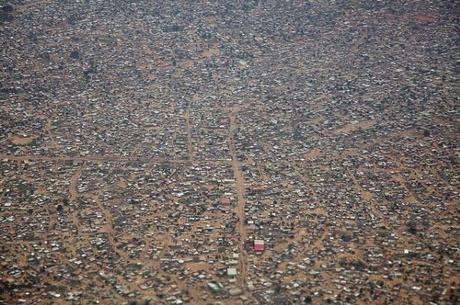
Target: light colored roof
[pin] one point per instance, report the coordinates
(231, 271)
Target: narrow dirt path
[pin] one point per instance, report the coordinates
(241, 202)
(101, 159)
(189, 133)
(48, 128)
(73, 195)
(107, 228)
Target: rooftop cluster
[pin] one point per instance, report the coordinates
(251, 152)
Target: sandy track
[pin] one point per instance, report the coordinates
(241, 202)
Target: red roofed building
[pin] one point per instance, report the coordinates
(259, 245)
(225, 201)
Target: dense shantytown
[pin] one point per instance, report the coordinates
(251, 152)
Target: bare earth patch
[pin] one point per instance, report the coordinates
(22, 140)
(354, 126)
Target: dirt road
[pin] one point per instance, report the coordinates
(241, 202)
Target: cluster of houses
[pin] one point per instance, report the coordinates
(229, 153)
